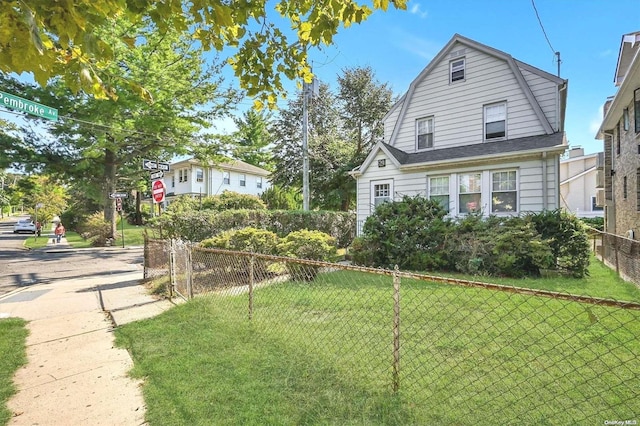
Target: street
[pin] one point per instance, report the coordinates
(20, 267)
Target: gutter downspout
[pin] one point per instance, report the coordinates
(545, 190)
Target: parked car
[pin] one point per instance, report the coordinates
(24, 225)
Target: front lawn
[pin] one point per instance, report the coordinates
(321, 353)
(13, 355)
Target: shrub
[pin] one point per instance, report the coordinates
(95, 229)
(230, 200)
(408, 233)
(247, 239)
(182, 204)
(594, 222)
(277, 198)
(567, 237)
(305, 244)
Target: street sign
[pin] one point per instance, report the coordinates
(156, 175)
(154, 165)
(158, 191)
(118, 204)
(115, 195)
(14, 102)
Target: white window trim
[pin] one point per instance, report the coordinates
(517, 191)
(201, 173)
(484, 121)
(433, 131)
(448, 188)
(373, 184)
(226, 176)
(243, 179)
(259, 182)
(464, 70)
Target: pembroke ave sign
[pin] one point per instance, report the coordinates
(20, 104)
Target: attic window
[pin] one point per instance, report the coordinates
(457, 70)
(382, 163)
(495, 121)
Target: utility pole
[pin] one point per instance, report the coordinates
(308, 91)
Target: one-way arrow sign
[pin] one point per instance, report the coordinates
(115, 195)
(154, 165)
(156, 175)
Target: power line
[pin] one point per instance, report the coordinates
(533, 3)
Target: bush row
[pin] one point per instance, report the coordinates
(199, 225)
(416, 234)
(302, 244)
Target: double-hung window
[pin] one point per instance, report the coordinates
(258, 182)
(469, 192)
(439, 190)
(424, 131)
(226, 179)
(504, 192)
(456, 68)
(495, 121)
(243, 180)
(381, 192)
(199, 175)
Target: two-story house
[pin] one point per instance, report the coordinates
(191, 177)
(620, 131)
(477, 130)
(579, 182)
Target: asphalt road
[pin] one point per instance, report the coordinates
(21, 268)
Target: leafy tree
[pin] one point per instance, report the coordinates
(250, 143)
(44, 191)
(63, 39)
(102, 146)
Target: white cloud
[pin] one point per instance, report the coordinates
(417, 10)
(421, 47)
(595, 122)
(606, 53)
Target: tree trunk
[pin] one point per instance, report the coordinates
(110, 176)
(138, 217)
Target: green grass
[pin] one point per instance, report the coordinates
(133, 236)
(601, 282)
(320, 353)
(13, 355)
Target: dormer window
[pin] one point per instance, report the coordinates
(495, 121)
(424, 132)
(456, 69)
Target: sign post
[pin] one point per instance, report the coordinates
(20, 104)
(157, 190)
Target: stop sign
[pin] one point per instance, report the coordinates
(158, 191)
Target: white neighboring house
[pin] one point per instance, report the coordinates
(477, 130)
(578, 183)
(191, 177)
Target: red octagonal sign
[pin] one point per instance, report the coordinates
(158, 191)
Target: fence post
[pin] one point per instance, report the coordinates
(615, 252)
(172, 269)
(189, 271)
(396, 330)
(251, 264)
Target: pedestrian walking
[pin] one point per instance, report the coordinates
(59, 231)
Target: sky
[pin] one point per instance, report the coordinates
(398, 45)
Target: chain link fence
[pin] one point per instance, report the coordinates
(448, 350)
(619, 253)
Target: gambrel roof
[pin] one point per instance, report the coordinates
(515, 67)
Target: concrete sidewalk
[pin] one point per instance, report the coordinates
(74, 374)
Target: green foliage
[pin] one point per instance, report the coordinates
(305, 244)
(230, 200)
(409, 233)
(246, 239)
(182, 204)
(567, 238)
(200, 225)
(278, 198)
(63, 39)
(415, 235)
(594, 222)
(95, 229)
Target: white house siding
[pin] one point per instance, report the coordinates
(390, 121)
(458, 108)
(529, 175)
(546, 93)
